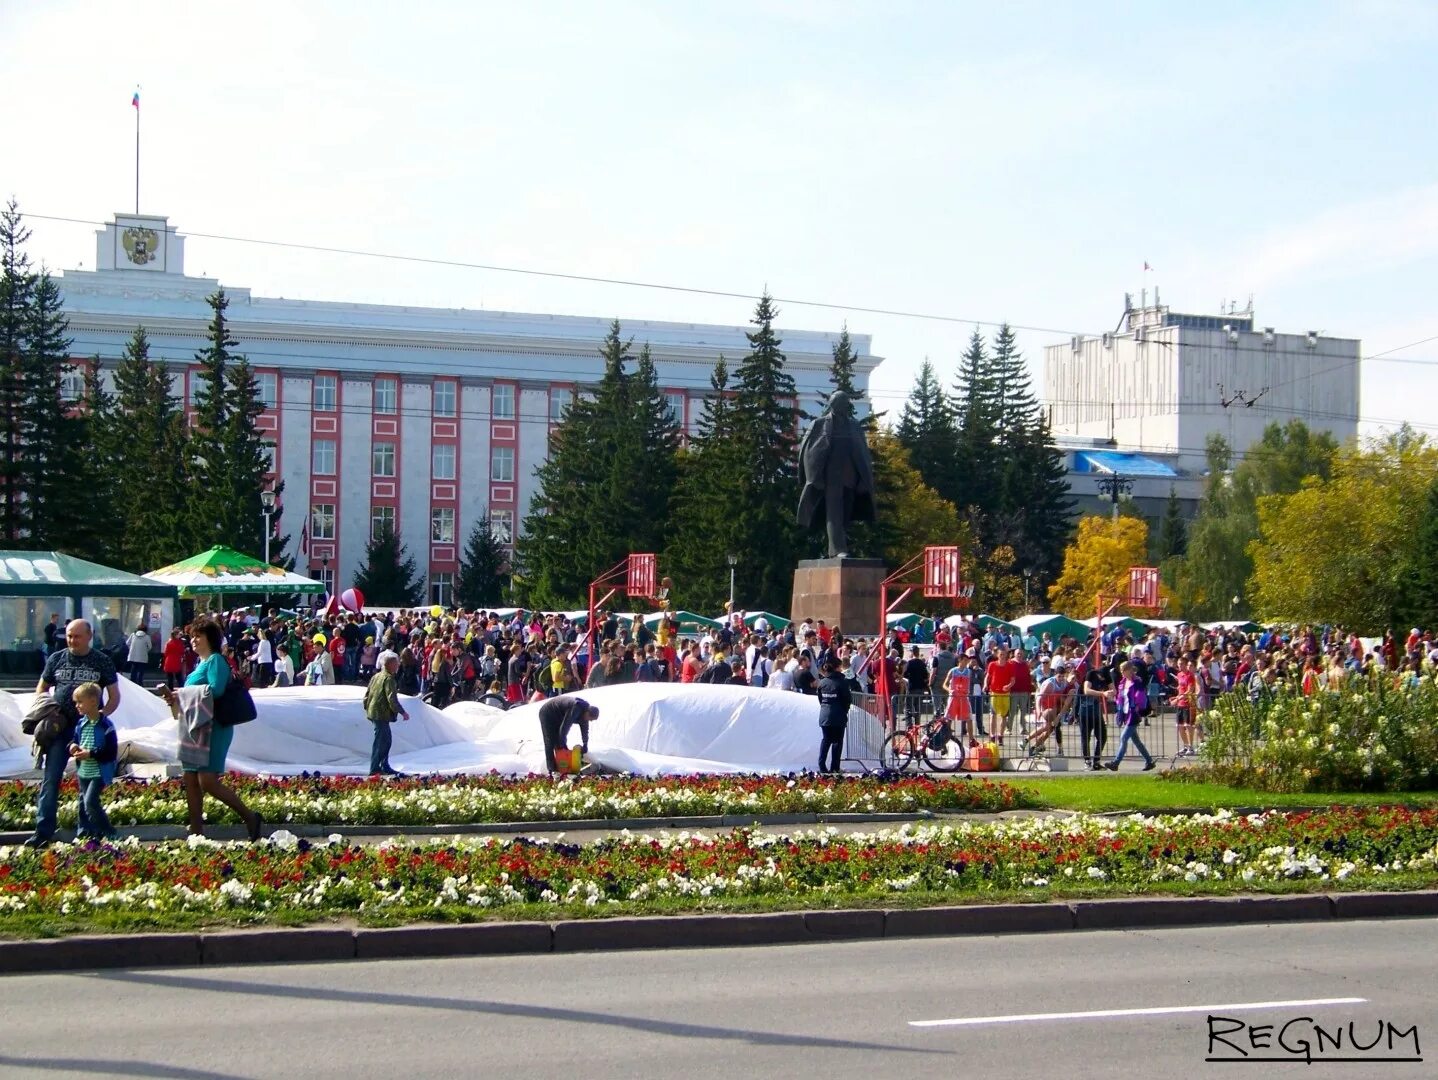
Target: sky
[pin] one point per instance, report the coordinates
(976, 162)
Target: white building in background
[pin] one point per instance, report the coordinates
(423, 418)
(1141, 402)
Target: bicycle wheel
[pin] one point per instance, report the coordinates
(947, 755)
(897, 753)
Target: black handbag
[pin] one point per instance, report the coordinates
(235, 706)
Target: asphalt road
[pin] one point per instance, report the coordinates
(837, 1010)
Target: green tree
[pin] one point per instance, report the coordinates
(764, 421)
(1338, 549)
(604, 490)
(98, 436)
(841, 369)
(17, 297)
(148, 463)
(926, 430)
(1216, 565)
(909, 514)
(1097, 562)
(389, 576)
(1173, 533)
(483, 568)
(1418, 593)
(703, 527)
(972, 481)
(55, 491)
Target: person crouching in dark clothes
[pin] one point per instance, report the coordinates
(834, 701)
(557, 716)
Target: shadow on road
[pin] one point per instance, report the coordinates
(111, 1067)
(500, 1008)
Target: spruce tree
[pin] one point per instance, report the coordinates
(764, 419)
(148, 463)
(841, 369)
(1173, 533)
(209, 477)
(247, 466)
(55, 492)
(926, 431)
(97, 437)
(604, 490)
(389, 576)
(973, 482)
(17, 295)
(483, 568)
(703, 525)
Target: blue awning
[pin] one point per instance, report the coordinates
(1114, 462)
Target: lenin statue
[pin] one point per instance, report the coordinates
(836, 472)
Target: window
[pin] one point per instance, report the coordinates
(441, 525)
(444, 399)
(323, 462)
(382, 459)
(326, 577)
(325, 393)
(559, 400)
(72, 384)
(441, 588)
(501, 464)
(443, 463)
(501, 525)
(386, 396)
(192, 388)
(322, 521)
(503, 407)
(381, 521)
(675, 401)
(269, 451)
(269, 388)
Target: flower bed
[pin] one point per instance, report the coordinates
(1370, 735)
(320, 800)
(288, 879)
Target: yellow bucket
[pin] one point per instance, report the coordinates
(569, 758)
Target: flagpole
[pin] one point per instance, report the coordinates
(137, 152)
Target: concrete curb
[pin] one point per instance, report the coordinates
(93, 951)
(485, 828)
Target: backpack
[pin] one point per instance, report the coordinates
(544, 680)
(1138, 702)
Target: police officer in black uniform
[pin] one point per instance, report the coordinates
(834, 701)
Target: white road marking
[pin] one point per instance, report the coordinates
(1165, 1010)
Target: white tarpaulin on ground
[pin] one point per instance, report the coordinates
(651, 728)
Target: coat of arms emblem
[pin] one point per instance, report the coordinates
(140, 245)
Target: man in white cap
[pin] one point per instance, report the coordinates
(381, 706)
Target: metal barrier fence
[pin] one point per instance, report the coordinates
(1083, 733)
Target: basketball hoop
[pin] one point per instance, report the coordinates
(964, 595)
(639, 581)
(941, 572)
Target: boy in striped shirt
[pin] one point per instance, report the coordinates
(94, 752)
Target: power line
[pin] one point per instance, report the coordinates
(960, 320)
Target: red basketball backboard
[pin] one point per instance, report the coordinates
(640, 579)
(1143, 588)
(941, 572)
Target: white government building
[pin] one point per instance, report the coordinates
(1139, 404)
(425, 418)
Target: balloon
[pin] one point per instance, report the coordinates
(319, 639)
(352, 600)
(436, 611)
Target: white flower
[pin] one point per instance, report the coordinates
(284, 839)
(1096, 873)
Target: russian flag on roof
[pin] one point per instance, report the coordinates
(135, 101)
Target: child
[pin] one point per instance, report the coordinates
(1130, 698)
(367, 659)
(94, 752)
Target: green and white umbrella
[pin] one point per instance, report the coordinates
(225, 570)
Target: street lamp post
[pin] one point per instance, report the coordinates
(1028, 573)
(1112, 487)
(267, 510)
(733, 562)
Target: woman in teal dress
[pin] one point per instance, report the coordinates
(202, 780)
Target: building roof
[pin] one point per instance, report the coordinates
(1119, 463)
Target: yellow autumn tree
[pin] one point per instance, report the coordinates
(1097, 561)
(911, 515)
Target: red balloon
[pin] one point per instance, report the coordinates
(352, 600)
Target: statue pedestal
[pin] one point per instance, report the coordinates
(843, 592)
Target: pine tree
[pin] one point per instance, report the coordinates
(702, 524)
(764, 421)
(247, 465)
(148, 463)
(389, 576)
(1173, 533)
(97, 438)
(926, 431)
(209, 480)
(483, 568)
(841, 369)
(55, 491)
(972, 484)
(17, 295)
(604, 490)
